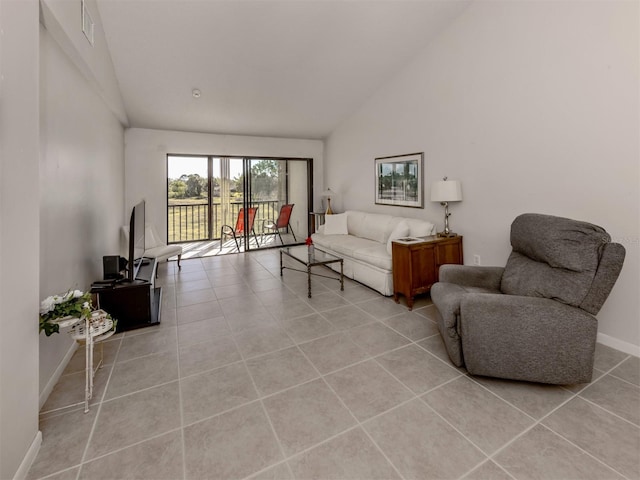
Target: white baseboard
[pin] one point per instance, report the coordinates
(29, 458)
(44, 394)
(625, 347)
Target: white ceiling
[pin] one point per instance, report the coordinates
(294, 68)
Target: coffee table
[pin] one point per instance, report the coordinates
(310, 256)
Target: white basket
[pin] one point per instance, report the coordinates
(67, 321)
(99, 324)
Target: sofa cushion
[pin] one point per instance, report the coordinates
(420, 228)
(345, 244)
(400, 230)
(375, 254)
(163, 252)
(321, 240)
(336, 224)
(372, 226)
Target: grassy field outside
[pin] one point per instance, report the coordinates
(188, 218)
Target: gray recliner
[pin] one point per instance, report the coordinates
(533, 319)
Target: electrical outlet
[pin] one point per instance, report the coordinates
(476, 260)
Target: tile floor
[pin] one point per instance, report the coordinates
(248, 378)
(200, 249)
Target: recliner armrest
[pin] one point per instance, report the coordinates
(472, 276)
(527, 338)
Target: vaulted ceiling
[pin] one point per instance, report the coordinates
(293, 68)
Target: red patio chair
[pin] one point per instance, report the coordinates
(238, 231)
(281, 222)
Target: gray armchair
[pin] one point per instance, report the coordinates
(533, 319)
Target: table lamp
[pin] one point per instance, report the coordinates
(327, 193)
(446, 191)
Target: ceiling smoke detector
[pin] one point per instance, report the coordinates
(196, 93)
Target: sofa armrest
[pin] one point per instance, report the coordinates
(527, 338)
(472, 276)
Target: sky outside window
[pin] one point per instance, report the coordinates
(179, 165)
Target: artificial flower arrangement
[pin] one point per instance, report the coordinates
(74, 303)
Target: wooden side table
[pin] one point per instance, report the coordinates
(317, 219)
(416, 263)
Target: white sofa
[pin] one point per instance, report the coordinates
(363, 240)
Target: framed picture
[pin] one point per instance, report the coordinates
(399, 180)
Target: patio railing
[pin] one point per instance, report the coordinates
(189, 222)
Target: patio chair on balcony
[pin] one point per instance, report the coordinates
(238, 231)
(282, 222)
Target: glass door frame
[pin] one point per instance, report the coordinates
(209, 203)
(247, 192)
(248, 188)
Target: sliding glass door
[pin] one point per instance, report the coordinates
(274, 184)
(188, 199)
(207, 193)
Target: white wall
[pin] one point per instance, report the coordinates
(534, 107)
(61, 203)
(81, 187)
(19, 204)
(146, 161)
(81, 164)
(63, 19)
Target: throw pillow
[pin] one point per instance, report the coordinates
(335, 224)
(421, 229)
(401, 230)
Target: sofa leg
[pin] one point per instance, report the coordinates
(179, 257)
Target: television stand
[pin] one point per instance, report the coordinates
(135, 304)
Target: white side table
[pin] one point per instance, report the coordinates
(94, 329)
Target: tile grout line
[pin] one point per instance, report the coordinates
(180, 396)
(99, 409)
(591, 402)
(264, 409)
(358, 423)
(322, 377)
(370, 357)
(241, 270)
(602, 462)
(489, 458)
(420, 397)
(263, 396)
(539, 421)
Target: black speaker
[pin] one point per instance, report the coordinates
(111, 267)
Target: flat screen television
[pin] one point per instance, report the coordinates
(136, 241)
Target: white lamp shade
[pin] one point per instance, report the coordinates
(446, 191)
(328, 193)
